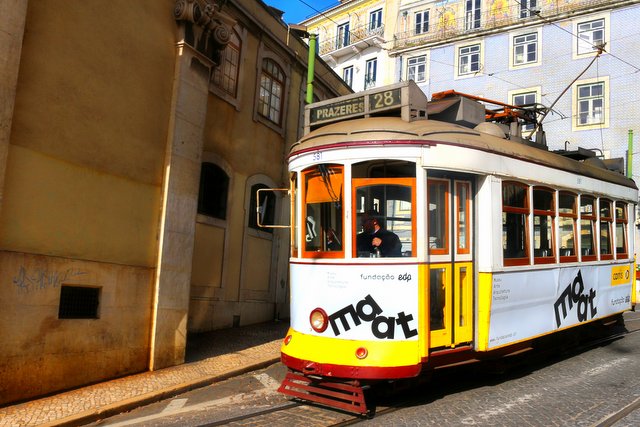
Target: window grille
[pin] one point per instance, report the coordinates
(78, 302)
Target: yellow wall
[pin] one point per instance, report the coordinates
(59, 208)
(82, 193)
(91, 117)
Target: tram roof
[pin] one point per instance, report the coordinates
(394, 131)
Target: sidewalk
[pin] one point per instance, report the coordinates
(211, 357)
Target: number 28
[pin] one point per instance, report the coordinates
(383, 99)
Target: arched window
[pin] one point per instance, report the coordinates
(266, 209)
(271, 92)
(225, 76)
(214, 187)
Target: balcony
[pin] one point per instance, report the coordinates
(445, 26)
(354, 41)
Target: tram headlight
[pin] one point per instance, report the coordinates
(319, 320)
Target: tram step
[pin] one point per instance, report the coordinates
(348, 396)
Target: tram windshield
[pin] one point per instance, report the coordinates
(382, 208)
(383, 218)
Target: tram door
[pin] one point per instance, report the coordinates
(450, 288)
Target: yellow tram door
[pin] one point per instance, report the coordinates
(450, 268)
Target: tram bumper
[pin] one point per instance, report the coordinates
(351, 359)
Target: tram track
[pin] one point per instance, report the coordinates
(299, 410)
(245, 417)
(612, 419)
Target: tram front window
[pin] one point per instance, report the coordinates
(383, 215)
(322, 211)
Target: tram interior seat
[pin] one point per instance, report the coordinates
(541, 252)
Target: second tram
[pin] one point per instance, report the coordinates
(498, 241)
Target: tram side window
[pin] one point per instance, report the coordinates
(438, 200)
(606, 225)
(568, 215)
(463, 191)
(515, 210)
(322, 211)
(543, 225)
(621, 231)
(588, 218)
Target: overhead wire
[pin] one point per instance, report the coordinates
(493, 74)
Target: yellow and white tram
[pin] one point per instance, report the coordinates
(502, 241)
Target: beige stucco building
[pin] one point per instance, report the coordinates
(354, 37)
(133, 138)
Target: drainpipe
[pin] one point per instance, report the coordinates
(310, 67)
(630, 155)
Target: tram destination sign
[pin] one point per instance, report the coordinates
(356, 105)
(338, 110)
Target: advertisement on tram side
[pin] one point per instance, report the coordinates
(532, 303)
(370, 302)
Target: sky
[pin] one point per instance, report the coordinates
(296, 11)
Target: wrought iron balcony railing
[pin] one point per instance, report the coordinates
(447, 26)
(359, 37)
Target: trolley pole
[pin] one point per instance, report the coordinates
(630, 155)
(310, 67)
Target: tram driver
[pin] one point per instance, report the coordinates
(375, 239)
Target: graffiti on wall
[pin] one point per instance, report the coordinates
(39, 279)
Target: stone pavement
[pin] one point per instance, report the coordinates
(211, 357)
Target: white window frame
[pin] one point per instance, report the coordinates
(513, 38)
(370, 63)
(527, 7)
(583, 38)
(375, 19)
(423, 26)
(458, 54)
(576, 99)
(347, 75)
(285, 67)
(472, 15)
(343, 35)
(536, 91)
(414, 66)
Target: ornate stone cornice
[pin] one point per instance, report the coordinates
(207, 28)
